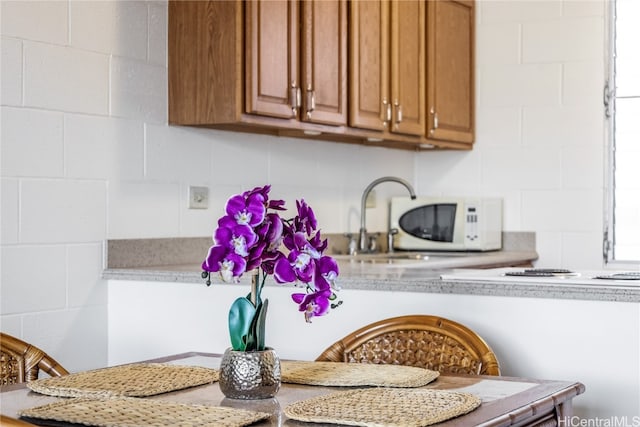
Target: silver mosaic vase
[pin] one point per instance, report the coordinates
(250, 374)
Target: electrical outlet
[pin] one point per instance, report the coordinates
(198, 197)
(371, 199)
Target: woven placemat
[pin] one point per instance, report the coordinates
(355, 374)
(384, 407)
(128, 411)
(137, 380)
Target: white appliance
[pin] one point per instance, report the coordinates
(446, 223)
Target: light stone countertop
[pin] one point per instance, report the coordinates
(361, 275)
(448, 274)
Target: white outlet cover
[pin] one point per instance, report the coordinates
(198, 197)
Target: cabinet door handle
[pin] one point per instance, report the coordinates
(398, 107)
(311, 101)
(386, 112)
(295, 98)
(435, 120)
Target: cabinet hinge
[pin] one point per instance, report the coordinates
(607, 97)
(606, 245)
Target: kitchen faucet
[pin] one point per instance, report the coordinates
(362, 244)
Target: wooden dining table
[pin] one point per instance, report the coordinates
(506, 401)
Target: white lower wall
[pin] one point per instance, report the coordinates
(596, 343)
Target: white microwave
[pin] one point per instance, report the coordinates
(446, 223)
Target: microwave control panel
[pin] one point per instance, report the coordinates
(471, 223)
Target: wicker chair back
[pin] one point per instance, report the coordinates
(427, 341)
(21, 362)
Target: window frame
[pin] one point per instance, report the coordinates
(609, 100)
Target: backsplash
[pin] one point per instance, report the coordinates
(127, 253)
(131, 253)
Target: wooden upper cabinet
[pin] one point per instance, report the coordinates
(324, 62)
(297, 70)
(408, 50)
(451, 77)
(204, 43)
(388, 77)
(271, 55)
(394, 73)
(369, 84)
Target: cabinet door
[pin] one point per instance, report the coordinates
(324, 61)
(271, 42)
(205, 48)
(408, 65)
(451, 62)
(369, 64)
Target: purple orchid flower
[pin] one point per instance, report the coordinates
(248, 210)
(277, 205)
(306, 219)
(250, 236)
(313, 304)
(271, 231)
(254, 258)
(239, 238)
(229, 264)
(326, 273)
(300, 264)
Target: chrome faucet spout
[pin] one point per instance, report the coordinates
(362, 243)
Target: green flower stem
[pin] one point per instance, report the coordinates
(257, 285)
(256, 289)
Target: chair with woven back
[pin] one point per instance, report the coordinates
(426, 341)
(21, 362)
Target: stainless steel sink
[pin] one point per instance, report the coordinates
(379, 256)
(394, 257)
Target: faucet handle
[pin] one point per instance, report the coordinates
(392, 232)
(373, 242)
(353, 243)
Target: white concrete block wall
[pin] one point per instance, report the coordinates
(46, 21)
(65, 79)
(540, 126)
(11, 71)
(118, 28)
(32, 143)
(87, 155)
